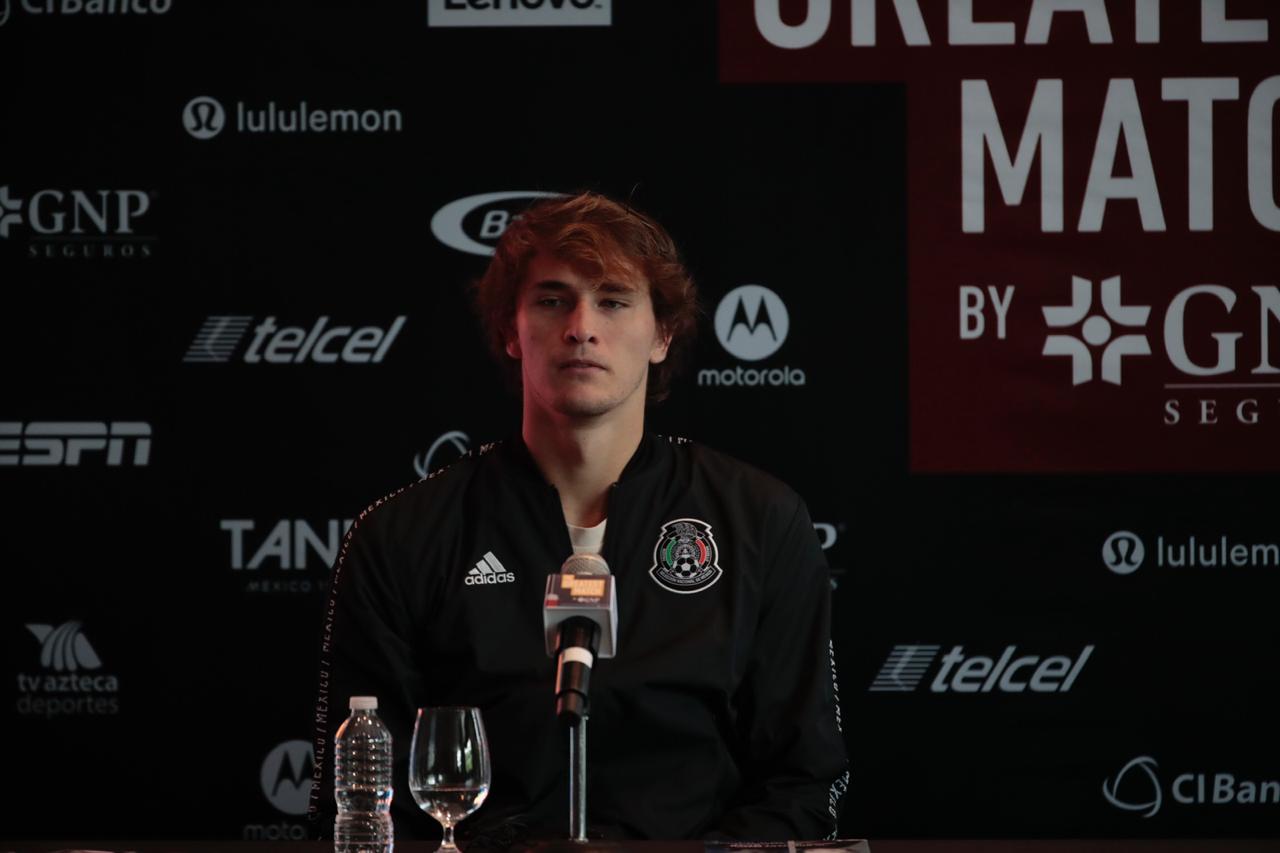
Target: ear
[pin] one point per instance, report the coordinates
(513, 346)
(661, 343)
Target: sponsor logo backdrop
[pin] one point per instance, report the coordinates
(994, 286)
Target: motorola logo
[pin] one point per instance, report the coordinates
(64, 649)
(286, 776)
(474, 224)
(203, 117)
(752, 322)
(1143, 792)
(442, 453)
(1123, 552)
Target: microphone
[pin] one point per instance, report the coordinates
(580, 619)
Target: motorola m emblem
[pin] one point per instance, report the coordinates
(204, 117)
(752, 322)
(1123, 552)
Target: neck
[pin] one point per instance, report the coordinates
(582, 457)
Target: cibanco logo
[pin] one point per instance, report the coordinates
(443, 452)
(1123, 552)
(203, 117)
(286, 776)
(1147, 767)
(752, 322)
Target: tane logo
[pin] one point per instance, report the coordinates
(442, 453)
(474, 224)
(487, 571)
(64, 649)
(1144, 787)
(286, 776)
(221, 335)
(1096, 330)
(1123, 552)
(204, 117)
(905, 668)
(752, 322)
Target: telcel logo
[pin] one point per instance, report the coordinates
(221, 335)
(906, 666)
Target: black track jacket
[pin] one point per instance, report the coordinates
(717, 718)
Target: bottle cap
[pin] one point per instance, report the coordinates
(364, 703)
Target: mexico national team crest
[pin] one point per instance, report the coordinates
(685, 559)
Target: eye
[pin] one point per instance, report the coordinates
(548, 301)
(613, 304)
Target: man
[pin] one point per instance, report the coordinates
(718, 716)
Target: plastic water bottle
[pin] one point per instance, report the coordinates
(362, 781)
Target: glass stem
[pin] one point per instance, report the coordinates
(448, 844)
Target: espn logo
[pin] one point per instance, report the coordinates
(65, 442)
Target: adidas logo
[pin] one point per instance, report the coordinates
(488, 570)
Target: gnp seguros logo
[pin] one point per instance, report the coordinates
(519, 13)
(1136, 788)
(1124, 553)
(474, 224)
(752, 323)
(71, 683)
(101, 223)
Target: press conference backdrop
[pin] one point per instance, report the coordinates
(993, 285)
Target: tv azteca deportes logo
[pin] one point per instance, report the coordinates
(1136, 787)
(1098, 333)
(71, 682)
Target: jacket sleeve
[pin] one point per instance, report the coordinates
(366, 650)
(794, 766)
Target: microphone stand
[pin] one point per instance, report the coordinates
(578, 780)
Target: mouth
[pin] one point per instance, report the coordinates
(581, 364)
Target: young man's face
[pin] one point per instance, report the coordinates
(584, 345)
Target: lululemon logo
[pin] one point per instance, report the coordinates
(204, 118)
(1123, 552)
(752, 322)
(1111, 788)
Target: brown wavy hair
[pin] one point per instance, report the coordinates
(598, 237)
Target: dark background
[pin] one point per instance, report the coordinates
(799, 187)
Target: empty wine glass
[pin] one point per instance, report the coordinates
(449, 770)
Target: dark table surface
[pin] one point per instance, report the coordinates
(888, 846)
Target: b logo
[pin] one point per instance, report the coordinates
(1123, 552)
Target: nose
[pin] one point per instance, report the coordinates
(580, 327)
